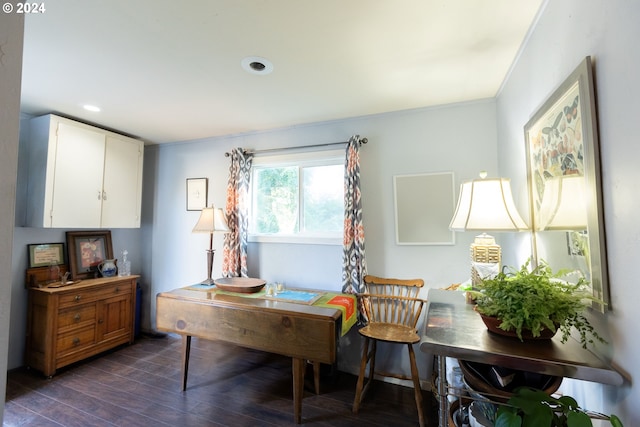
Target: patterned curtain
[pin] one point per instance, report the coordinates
(234, 256)
(354, 266)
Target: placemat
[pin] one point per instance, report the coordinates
(297, 296)
(346, 303)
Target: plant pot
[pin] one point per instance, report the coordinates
(493, 325)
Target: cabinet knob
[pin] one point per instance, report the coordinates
(104, 195)
(77, 317)
(100, 321)
(99, 195)
(77, 298)
(117, 289)
(76, 341)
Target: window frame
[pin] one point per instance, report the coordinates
(301, 160)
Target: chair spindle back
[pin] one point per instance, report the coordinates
(392, 300)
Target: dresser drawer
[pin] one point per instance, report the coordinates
(81, 296)
(75, 340)
(76, 317)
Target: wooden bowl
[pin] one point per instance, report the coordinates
(243, 285)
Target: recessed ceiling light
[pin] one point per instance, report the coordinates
(91, 108)
(257, 65)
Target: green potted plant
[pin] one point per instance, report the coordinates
(532, 407)
(535, 304)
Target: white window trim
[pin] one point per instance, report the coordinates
(304, 159)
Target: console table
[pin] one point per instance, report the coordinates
(300, 331)
(453, 329)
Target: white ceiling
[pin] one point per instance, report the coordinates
(170, 70)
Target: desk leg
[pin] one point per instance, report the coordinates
(442, 392)
(316, 376)
(299, 366)
(186, 349)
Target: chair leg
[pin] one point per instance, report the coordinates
(372, 361)
(360, 384)
(416, 384)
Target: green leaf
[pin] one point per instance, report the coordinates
(615, 421)
(568, 401)
(538, 419)
(578, 419)
(508, 419)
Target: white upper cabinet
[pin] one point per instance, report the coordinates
(82, 177)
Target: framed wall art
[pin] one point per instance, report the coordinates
(197, 190)
(564, 180)
(424, 205)
(46, 254)
(87, 250)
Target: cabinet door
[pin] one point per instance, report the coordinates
(122, 183)
(115, 319)
(77, 188)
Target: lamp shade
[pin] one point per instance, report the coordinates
(486, 204)
(563, 204)
(211, 219)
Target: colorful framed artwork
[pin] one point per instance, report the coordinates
(46, 254)
(197, 190)
(564, 180)
(87, 250)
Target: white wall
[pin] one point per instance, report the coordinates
(608, 31)
(459, 138)
(11, 34)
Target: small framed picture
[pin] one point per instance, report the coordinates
(197, 193)
(87, 250)
(46, 254)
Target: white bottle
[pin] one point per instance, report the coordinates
(125, 266)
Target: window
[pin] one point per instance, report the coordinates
(297, 198)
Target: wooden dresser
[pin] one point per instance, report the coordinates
(71, 323)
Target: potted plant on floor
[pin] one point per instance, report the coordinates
(532, 407)
(535, 304)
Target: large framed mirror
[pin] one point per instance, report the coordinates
(563, 170)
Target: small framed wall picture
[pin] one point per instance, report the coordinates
(46, 254)
(197, 190)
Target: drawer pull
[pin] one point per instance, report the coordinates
(117, 289)
(77, 317)
(76, 341)
(77, 298)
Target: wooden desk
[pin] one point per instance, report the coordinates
(453, 329)
(302, 332)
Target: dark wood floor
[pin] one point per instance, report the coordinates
(138, 385)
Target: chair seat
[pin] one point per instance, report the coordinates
(390, 332)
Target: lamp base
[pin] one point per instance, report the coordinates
(484, 250)
(209, 280)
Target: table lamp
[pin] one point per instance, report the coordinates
(487, 205)
(211, 220)
(563, 205)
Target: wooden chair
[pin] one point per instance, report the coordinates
(392, 308)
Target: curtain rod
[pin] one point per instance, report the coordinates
(361, 141)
